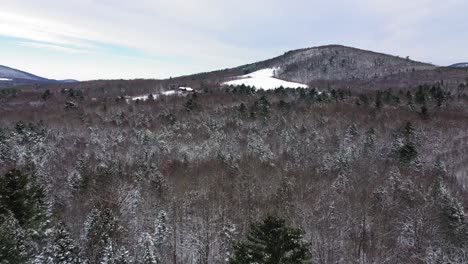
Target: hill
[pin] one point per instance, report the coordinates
(13, 77)
(460, 65)
(332, 62)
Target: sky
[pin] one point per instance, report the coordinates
(121, 39)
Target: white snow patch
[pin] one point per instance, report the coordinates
(5, 80)
(264, 79)
(186, 89)
(143, 97)
(182, 91)
(170, 92)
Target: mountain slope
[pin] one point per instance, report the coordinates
(343, 63)
(10, 73)
(459, 65)
(12, 77)
(332, 62)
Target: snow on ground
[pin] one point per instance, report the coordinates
(264, 79)
(170, 92)
(143, 97)
(179, 91)
(186, 89)
(5, 80)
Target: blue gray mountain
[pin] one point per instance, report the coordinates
(13, 77)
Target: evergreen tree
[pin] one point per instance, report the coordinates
(108, 254)
(369, 141)
(378, 100)
(100, 227)
(406, 151)
(363, 99)
(424, 112)
(271, 242)
(261, 106)
(23, 198)
(122, 256)
(242, 109)
(46, 95)
(149, 256)
(15, 245)
(191, 104)
(162, 229)
(452, 219)
(420, 95)
(61, 249)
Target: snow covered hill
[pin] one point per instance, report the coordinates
(264, 79)
(10, 73)
(12, 77)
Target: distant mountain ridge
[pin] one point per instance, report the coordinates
(13, 77)
(460, 65)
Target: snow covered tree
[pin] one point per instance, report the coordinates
(405, 145)
(271, 242)
(149, 255)
(122, 256)
(452, 219)
(108, 254)
(100, 226)
(15, 245)
(23, 198)
(226, 236)
(162, 229)
(61, 249)
(261, 107)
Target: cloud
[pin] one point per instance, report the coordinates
(211, 34)
(53, 47)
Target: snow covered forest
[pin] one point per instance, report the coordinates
(368, 176)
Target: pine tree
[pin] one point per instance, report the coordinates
(378, 100)
(420, 96)
(406, 151)
(46, 95)
(100, 226)
(122, 256)
(242, 109)
(15, 245)
(271, 242)
(369, 141)
(162, 229)
(261, 107)
(108, 254)
(23, 198)
(424, 112)
(61, 248)
(149, 256)
(452, 218)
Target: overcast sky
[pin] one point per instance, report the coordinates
(113, 39)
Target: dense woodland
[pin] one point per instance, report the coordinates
(362, 175)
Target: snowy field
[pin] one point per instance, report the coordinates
(264, 79)
(5, 80)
